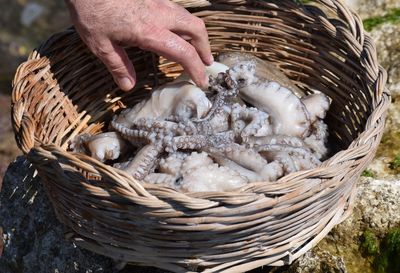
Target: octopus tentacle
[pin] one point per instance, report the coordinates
(219, 158)
(165, 179)
(225, 88)
(317, 106)
(144, 161)
(318, 139)
(289, 115)
(303, 151)
(263, 70)
(187, 143)
(154, 124)
(293, 158)
(256, 120)
(135, 136)
(292, 120)
(288, 162)
(221, 139)
(251, 160)
(198, 142)
(275, 139)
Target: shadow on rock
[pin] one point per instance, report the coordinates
(33, 238)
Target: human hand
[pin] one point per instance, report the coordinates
(160, 26)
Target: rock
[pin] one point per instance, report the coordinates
(376, 212)
(324, 262)
(33, 239)
(377, 209)
(387, 40)
(370, 8)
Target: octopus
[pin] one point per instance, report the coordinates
(252, 124)
(105, 146)
(195, 173)
(211, 133)
(181, 100)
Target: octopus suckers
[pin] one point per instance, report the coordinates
(252, 124)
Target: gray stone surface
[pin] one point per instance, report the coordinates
(323, 262)
(33, 239)
(376, 210)
(387, 41)
(370, 8)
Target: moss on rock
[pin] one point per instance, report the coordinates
(388, 259)
(369, 243)
(395, 164)
(393, 16)
(384, 254)
(368, 173)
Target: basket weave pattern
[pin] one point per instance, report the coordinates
(62, 90)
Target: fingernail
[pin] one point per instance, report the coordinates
(209, 60)
(125, 83)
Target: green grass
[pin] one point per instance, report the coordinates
(369, 243)
(388, 261)
(384, 254)
(393, 16)
(368, 173)
(395, 164)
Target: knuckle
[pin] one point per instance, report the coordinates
(189, 52)
(195, 23)
(199, 24)
(148, 36)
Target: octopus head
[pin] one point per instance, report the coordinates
(244, 73)
(192, 102)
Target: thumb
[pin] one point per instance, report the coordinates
(118, 64)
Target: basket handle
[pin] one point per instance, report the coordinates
(24, 125)
(25, 133)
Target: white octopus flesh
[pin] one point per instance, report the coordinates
(253, 124)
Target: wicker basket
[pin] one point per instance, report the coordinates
(63, 90)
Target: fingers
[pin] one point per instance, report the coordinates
(173, 47)
(118, 64)
(185, 24)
